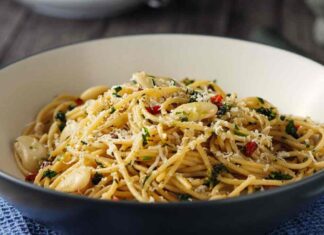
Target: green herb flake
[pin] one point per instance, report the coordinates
(188, 81)
(215, 81)
(184, 119)
(60, 116)
(116, 95)
(112, 110)
(267, 112)
(260, 100)
(276, 175)
(211, 181)
(282, 117)
(153, 82)
(145, 135)
(146, 158)
(49, 174)
(238, 133)
(194, 96)
(117, 89)
(96, 178)
(223, 109)
(83, 142)
(291, 129)
(62, 126)
(183, 197)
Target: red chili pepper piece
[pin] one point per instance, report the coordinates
(30, 177)
(217, 99)
(79, 101)
(250, 147)
(298, 126)
(156, 109)
(114, 198)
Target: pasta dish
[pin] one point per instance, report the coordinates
(155, 139)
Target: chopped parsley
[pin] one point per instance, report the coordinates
(282, 117)
(212, 179)
(222, 109)
(62, 125)
(96, 178)
(117, 89)
(116, 95)
(49, 174)
(260, 100)
(183, 197)
(291, 129)
(194, 96)
(188, 81)
(237, 132)
(60, 116)
(147, 158)
(112, 110)
(83, 142)
(145, 135)
(184, 119)
(276, 175)
(215, 81)
(267, 112)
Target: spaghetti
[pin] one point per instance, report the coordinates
(157, 140)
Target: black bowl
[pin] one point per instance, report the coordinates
(251, 214)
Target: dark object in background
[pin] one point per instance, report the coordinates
(87, 9)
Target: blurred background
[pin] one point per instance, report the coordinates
(294, 25)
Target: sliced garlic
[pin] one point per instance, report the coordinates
(147, 81)
(93, 92)
(143, 80)
(30, 152)
(75, 181)
(196, 111)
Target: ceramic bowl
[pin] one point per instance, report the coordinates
(293, 83)
(81, 9)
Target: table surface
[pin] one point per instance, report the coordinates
(23, 33)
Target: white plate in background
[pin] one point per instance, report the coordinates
(81, 9)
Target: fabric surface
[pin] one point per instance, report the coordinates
(308, 222)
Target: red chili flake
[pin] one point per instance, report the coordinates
(298, 126)
(79, 101)
(250, 147)
(217, 99)
(156, 109)
(30, 177)
(114, 198)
